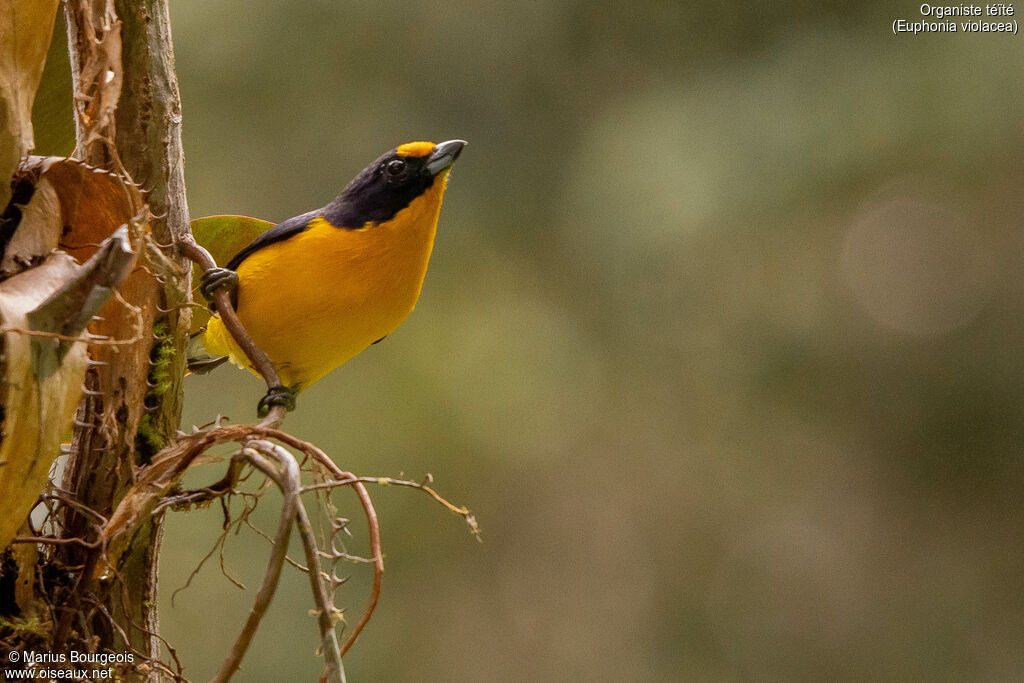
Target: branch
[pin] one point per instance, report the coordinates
(352, 480)
(128, 121)
(334, 671)
(154, 482)
(156, 479)
(287, 478)
(94, 35)
(373, 527)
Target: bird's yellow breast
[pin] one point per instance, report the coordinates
(318, 298)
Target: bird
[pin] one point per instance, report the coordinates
(317, 289)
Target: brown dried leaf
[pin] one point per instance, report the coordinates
(44, 310)
(37, 232)
(37, 413)
(156, 480)
(67, 192)
(58, 294)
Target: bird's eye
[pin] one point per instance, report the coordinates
(395, 167)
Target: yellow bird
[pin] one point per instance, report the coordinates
(317, 289)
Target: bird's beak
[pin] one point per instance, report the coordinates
(444, 155)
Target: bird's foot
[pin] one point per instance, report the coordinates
(218, 278)
(276, 396)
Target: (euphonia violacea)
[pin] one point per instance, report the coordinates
(319, 288)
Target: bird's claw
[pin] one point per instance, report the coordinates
(218, 278)
(276, 396)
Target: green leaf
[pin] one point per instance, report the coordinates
(223, 237)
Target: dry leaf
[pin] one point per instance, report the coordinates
(42, 312)
(37, 413)
(56, 292)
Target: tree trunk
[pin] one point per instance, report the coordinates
(135, 391)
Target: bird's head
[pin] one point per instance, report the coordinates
(391, 182)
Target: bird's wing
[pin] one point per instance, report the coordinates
(278, 233)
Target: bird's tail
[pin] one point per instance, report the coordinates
(198, 360)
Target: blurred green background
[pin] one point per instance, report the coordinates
(721, 339)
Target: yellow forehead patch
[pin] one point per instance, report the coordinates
(415, 149)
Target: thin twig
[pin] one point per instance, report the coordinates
(69, 338)
(288, 480)
(152, 659)
(333, 669)
(373, 526)
(67, 498)
(378, 565)
(259, 532)
(169, 465)
(217, 489)
(195, 571)
(389, 481)
(56, 541)
(141, 655)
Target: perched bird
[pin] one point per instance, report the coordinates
(317, 289)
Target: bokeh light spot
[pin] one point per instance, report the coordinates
(916, 266)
